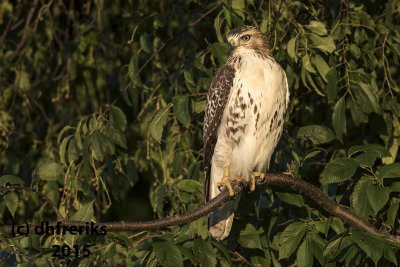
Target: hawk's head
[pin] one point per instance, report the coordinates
(247, 38)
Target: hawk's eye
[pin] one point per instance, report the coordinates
(246, 38)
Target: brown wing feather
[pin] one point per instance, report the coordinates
(216, 101)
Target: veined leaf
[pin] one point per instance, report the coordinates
(332, 85)
(291, 48)
(304, 257)
(158, 122)
(325, 44)
(316, 133)
(198, 106)
(50, 171)
(317, 27)
(378, 197)
(321, 65)
(11, 179)
(389, 171)
(85, 213)
(370, 244)
(11, 199)
(168, 254)
(339, 170)
(373, 98)
(307, 64)
(97, 145)
(117, 116)
(359, 198)
(369, 153)
(290, 239)
(204, 253)
(249, 237)
(181, 109)
(339, 118)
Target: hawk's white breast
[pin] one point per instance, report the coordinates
(253, 119)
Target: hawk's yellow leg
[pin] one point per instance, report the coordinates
(227, 181)
(253, 176)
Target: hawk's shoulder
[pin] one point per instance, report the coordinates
(217, 98)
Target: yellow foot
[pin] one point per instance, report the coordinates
(253, 176)
(228, 181)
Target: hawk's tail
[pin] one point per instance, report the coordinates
(220, 221)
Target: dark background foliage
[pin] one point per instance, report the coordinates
(101, 109)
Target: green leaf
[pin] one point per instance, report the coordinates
(181, 109)
(359, 198)
(187, 73)
(109, 251)
(369, 153)
(355, 51)
(50, 189)
(204, 253)
(217, 27)
(392, 214)
(97, 145)
(50, 171)
(332, 85)
(159, 121)
(191, 186)
(369, 244)
(11, 179)
(321, 65)
(238, 4)
(357, 113)
(187, 253)
(395, 187)
(317, 244)
(249, 237)
(168, 254)
(325, 44)
(304, 257)
(378, 197)
(11, 199)
(389, 171)
(339, 118)
(146, 43)
(307, 64)
(291, 198)
(198, 106)
(61, 133)
(291, 48)
(372, 97)
(317, 27)
(220, 51)
(290, 239)
(115, 135)
(117, 116)
(333, 248)
(73, 150)
(223, 249)
(339, 170)
(63, 148)
(85, 213)
(316, 133)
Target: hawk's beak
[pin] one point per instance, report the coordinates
(232, 42)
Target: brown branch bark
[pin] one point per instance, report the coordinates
(288, 181)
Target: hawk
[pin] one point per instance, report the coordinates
(243, 122)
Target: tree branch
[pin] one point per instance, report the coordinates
(288, 181)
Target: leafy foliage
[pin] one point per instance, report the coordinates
(104, 100)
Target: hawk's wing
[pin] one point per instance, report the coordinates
(216, 101)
